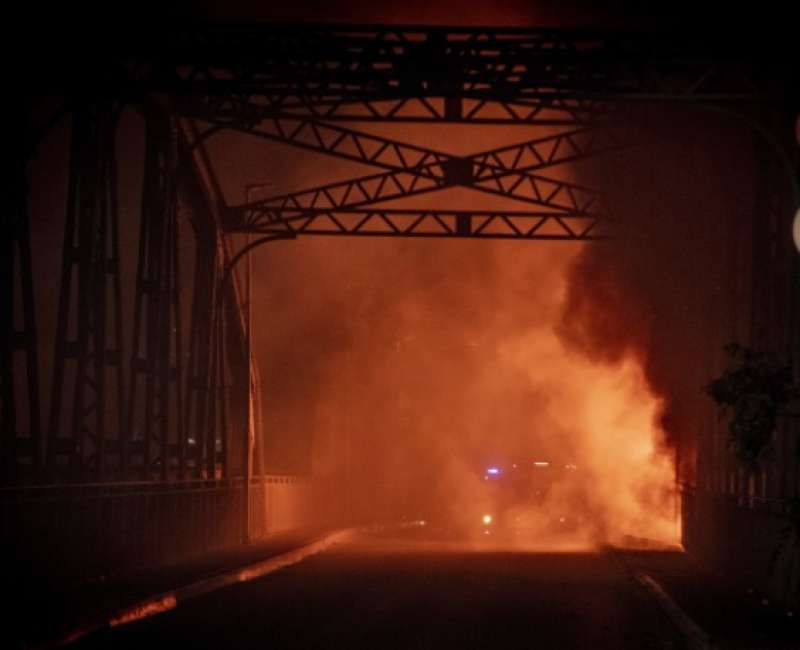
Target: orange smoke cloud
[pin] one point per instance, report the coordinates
(623, 481)
(598, 420)
(403, 367)
(439, 379)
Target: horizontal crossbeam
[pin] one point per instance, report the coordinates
(541, 191)
(372, 63)
(349, 144)
(236, 110)
(429, 223)
(505, 171)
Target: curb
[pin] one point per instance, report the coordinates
(169, 600)
(696, 637)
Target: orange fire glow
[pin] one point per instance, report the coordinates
(416, 363)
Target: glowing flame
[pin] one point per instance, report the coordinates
(608, 418)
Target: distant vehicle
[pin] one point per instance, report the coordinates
(521, 506)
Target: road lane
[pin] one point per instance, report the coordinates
(382, 591)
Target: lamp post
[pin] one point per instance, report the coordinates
(250, 189)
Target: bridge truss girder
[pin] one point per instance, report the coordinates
(87, 413)
(383, 222)
(294, 85)
(374, 63)
(236, 111)
(505, 171)
(393, 155)
(20, 435)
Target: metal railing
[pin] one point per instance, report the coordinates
(76, 531)
(742, 536)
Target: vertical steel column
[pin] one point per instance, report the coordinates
(221, 388)
(207, 390)
(247, 447)
(89, 326)
(199, 391)
(199, 406)
(156, 421)
(18, 338)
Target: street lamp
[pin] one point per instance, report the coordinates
(227, 271)
(250, 189)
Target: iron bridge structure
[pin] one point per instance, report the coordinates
(166, 397)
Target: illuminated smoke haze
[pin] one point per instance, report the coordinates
(408, 366)
(395, 371)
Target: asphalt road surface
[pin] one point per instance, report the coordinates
(416, 591)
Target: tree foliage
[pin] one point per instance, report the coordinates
(755, 391)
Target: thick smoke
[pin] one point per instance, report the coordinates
(667, 292)
(396, 371)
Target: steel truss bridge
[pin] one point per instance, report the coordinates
(135, 406)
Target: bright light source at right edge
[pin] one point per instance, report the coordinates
(796, 230)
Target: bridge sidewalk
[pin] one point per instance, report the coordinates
(712, 610)
(46, 614)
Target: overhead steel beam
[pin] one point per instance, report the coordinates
(320, 64)
(504, 171)
(543, 192)
(349, 144)
(235, 110)
(487, 224)
(341, 62)
(281, 82)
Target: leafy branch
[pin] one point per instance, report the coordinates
(755, 391)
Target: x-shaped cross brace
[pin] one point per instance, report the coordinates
(412, 170)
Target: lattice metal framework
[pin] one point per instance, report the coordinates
(269, 67)
(87, 408)
(306, 86)
(156, 390)
(507, 172)
(20, 432)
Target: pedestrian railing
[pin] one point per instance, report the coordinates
(72, 531)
